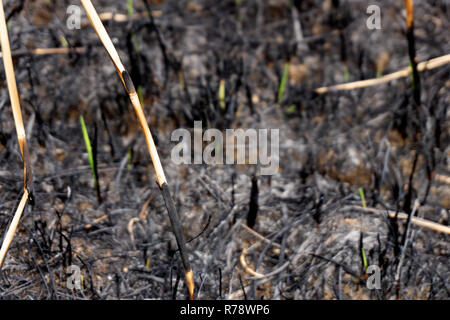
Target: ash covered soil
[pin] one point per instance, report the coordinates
(311, 235)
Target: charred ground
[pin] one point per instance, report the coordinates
(331, 145)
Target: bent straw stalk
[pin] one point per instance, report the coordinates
(161, 179)
(20, 129)
(13, 227)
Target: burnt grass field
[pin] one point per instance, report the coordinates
(311, 233)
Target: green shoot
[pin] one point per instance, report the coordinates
(283, 82)
(363, 198)
(346, 74)
(181, 79)
(363, 252)
(129, 157)
(222, 93)
(64, 42)
(364, 259)
(92, 163)
(239, 14)
(140, 94)
(291, 109)
(130, 8)
(130, 12)
(87, 142)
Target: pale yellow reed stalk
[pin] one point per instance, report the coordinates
(20, 129)
(161, 179)
(403, 73)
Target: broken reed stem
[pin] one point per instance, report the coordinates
(414, 220)
(120, 17)
(13, 227)
(260, 237)
(246, 267)
(161, 179)
(259, 275)
(442, 178)
(402, 73)
(46, 51)
(21, 136)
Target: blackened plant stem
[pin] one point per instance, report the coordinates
(253, 206)
(412, 49)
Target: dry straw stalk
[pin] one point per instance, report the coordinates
(161, 179)
(20, 129)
